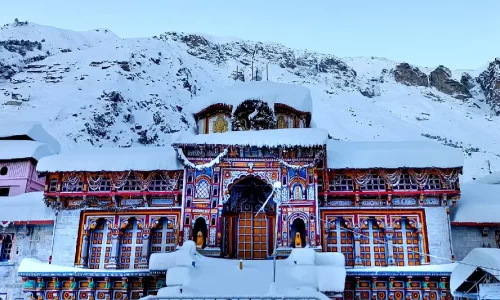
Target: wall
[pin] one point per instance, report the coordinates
(66, 237)
(36, 245)
(466, 238)
(438, 234)
(21, 177)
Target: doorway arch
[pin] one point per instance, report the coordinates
(298, 233)
(200, 232)
(247, 233)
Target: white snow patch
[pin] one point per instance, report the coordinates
(478, 203)
(411, 154)
(11, 149)
(25, 207)
(111, 159)
(487, 259)
(269, 92)
(261, 138)
(493, 178)
(32, 130)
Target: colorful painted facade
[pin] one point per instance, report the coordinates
(388, 217)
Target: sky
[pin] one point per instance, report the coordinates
(459, 34)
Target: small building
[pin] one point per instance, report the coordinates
(21, 146)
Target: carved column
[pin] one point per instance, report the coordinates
(357, 247)
(420, 244)
(84, 250)
(389, 234)
(116, 235)
(146, 239)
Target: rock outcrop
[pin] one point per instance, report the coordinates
(441, 79)
(409, 75)
(489, 80)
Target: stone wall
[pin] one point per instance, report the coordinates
(466, 238)
(438, 234)
(34, 245)
(66, 237)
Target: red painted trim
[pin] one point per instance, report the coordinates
(34, 222)
(394, 193)
(474, 224)
(109, 194)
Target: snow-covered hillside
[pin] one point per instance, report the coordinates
(95, 88)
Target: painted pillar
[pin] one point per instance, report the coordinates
(357, 247)
(389, 234)
(420, 243)
(84, 251)
(115, 247)
(146, 239)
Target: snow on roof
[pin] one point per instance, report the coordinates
(33, 130)
(493, 178)
(299, 270)
(261, 138)
(295, 96)
(373, 154)
(479, 203)
(25, 207)
(487, 259)
(111, 159)
(12, 149)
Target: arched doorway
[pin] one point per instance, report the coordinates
(298, 233)
(246, 234)
(200, 233)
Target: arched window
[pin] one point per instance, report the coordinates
(6, 247)
(131, 245)
(163, 238)
(202, 189)
(297, 192)
(100, 244)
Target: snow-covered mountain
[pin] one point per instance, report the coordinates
(98, 89)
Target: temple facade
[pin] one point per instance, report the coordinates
(254, 172)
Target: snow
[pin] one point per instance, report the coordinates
(478, 203)
(111, 159)
(411, 154)
(10, 149)
(255, 278)
(261, 138)
(493, 178)
(487, 259)
(33, 130)
(270, 92)
(396, 269)
(25, 207)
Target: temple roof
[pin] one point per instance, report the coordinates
(27, 207)
(295, 96)
(478, 204)
(31, 130)
(391, 155)
(305, 137)
(111, 159)
(14, 149)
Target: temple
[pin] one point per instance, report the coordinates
(254, 164)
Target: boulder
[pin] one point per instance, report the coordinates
(441, 79)
(467, 81)
(409, 75)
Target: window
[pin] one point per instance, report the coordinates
(4, 191)
(132, 184)
(374, 183)
(53, 185)
(6, 246)
(340, 239)
(131, 246)
(202, 189)
(297, 192)
(72, 183)
(405, 244)
(406, 182)
(99, 183)
(433, 183)
(372, 250)
(341, 183)
(3, 171)
(163, 237)
(100, 245)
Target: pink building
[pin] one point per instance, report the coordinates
(21, 146)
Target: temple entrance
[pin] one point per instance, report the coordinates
(248, 235)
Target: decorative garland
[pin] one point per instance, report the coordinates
(314, 163)
(71, 181)
(210, 164)
(94, 184)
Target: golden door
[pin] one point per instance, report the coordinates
(253, 238)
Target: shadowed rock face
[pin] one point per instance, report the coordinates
(409, 75)
(489, 80)
(441, 79)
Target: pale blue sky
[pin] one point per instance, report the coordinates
(457, 33)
